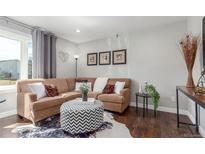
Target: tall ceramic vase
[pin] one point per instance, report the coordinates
(189, 46)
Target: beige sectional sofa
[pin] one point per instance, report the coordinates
(35, 110)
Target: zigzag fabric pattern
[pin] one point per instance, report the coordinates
(81, 117)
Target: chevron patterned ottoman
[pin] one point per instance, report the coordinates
(81, 117)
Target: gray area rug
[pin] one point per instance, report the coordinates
(50, 128)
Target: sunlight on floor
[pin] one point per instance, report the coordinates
(16, 125)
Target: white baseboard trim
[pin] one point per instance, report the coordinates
(161, 108)
(8, 113)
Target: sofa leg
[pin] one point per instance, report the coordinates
(19, 116)
(35, 123)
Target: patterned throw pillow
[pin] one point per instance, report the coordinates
(109, 89)
(51, 90)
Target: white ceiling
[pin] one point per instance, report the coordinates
(93, 27)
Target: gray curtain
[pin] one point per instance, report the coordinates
(44, 54)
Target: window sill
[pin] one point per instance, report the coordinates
(8, 89)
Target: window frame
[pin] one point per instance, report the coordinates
(24, 39)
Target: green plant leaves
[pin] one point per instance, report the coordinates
(84, 88)
(151, 90)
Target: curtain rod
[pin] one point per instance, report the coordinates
(7, 19)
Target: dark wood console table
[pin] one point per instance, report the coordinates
(198, 99)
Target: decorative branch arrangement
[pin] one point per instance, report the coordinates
(189, 45)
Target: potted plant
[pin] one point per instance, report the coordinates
(84, 90)
(151, 90)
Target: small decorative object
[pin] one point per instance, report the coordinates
(119, 57)
(63, 56)
(142, 88)
(84, 89)
(105, 58)
(151, 90)
(200, 88)
(92, 59)
(189, 46)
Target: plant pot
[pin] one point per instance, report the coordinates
(85, 97)
(190, 81)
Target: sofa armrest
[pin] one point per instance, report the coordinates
(125, 91)
(24, 101)
(126, 94)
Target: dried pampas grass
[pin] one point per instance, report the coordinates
(189, 45)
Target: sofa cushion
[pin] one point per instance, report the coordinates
(61, 84)
(92, 80)
(93, 94)
(100, 84)
(126, 80)
(111, 98)
(109, 89)
(46, 102)
(38, 89)
(119, 86)
(51, 90)
(70, 83)
(70, 95)
(23, 87)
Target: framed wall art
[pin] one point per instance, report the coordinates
(105, 58)
(92, 59)
(119, 57)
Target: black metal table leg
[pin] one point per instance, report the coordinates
(155, 113)
(177, 99)
(147, 103)
(196, 116)
(143, 106)
(136, 103)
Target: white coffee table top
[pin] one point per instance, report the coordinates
(78, 105)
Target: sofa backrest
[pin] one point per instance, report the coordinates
(60, 83)
(89, 79)
(65, 85)
(110, 81)
(70, 83)
(126, 80)
(22, 85)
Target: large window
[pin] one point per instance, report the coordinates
(15, 58)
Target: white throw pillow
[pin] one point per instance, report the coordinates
(38, 89)
(100, 84)
(89, 86)
(118, 87)
(79, 84)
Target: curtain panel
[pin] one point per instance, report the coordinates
(44, 54)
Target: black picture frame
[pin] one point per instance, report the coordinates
(96, 58)
(109, 58)
(125, 57)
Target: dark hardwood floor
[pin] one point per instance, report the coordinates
(164, 125)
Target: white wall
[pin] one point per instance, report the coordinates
(65, 69)
(152, 55)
